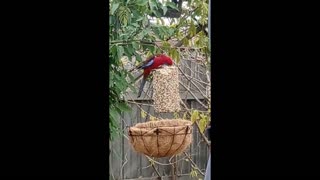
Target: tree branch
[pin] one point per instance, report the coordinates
(178, 44)
(159, 176)
(133, 40)
(193, 84)
(194, 164)
(195, 97)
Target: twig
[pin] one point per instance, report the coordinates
(126, 161)
(156, 171)
(173, 171)
(204, 137)
(196, 98)
(199, 81)
(194, 164)
(164, 177)
(193, 83)
(147, 166)
(157, 162)
(133, 102)
(195, 70)
(133, 40)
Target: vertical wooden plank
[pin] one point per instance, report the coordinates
(194, 152)
(126, 146)
(167, 170)
(197, 159)
(187, 166)
(115, 156)
(130, 170)
(184, 165)
(121, 145)
(144, 162)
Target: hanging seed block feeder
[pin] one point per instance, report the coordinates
(166, 95)
(161, 138)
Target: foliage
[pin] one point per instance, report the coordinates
(133, 35)
(193, 172)
(201, 118)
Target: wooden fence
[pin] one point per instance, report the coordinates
(126, 164)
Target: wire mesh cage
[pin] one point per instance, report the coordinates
(166, 90)
(161, 138)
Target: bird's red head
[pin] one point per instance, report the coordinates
(166, 59)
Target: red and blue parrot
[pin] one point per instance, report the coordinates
(151, 63)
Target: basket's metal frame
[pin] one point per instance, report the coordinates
(157, 131)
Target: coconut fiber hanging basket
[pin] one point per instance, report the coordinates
(161, 138)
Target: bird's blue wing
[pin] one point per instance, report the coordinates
(148, 64)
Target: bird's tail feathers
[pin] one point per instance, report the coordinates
(141, 86)
(137, 78)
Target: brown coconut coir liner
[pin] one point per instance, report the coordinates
(161, 138)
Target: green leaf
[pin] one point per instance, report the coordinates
(114, 7)
(155, 12)
(172, 5)
(153, 4)
(139, 19)
(124, 15)
(138, 57)
(175, 55)
(135, 25)
(185, 41)
(135, 45)
(193, 173)
(178, 57)
(141, 2)
(120, 51)
(194, 116)
(158, 51)
(120, 83)
(171, 31)
(113, 50)
(143, 114)
(165, 9)
(202, 125)
(145, 21)
(166, 45)
(114, 114)
(124, 107)
(111, 20)
(129, 51)
(152, 118)
(193, 29)
(202, 116)
(185, 115)
(175, 115)
(119, 87)
(152, 49)
(144, 33)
